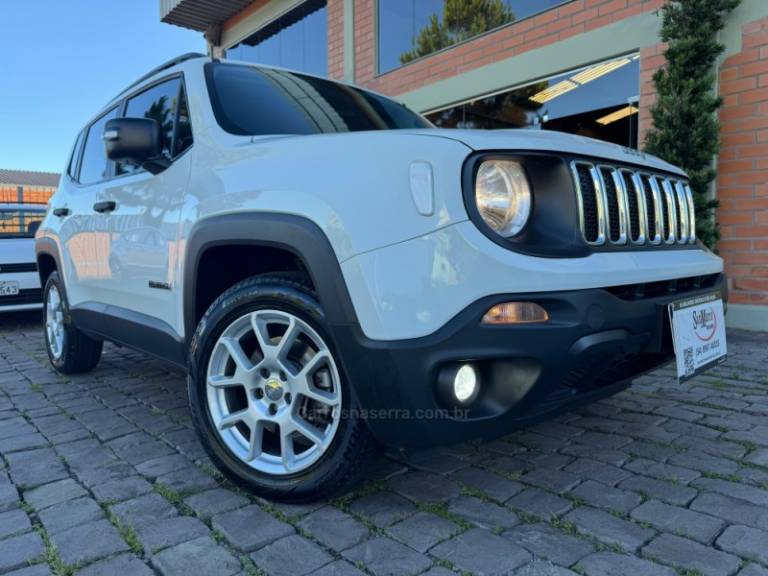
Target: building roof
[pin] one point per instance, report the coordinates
(28, 178)
(199, 14)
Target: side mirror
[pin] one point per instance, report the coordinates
(136, 140)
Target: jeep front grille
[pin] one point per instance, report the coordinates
(620, 206)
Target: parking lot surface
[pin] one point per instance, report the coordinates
(102, 474)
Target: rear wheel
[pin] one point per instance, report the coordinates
(69, 350)
(268, 394)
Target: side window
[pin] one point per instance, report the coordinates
(72, 170)
(157, 103)
(94, 165)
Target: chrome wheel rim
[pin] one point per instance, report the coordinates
(273, 392)
(54, 322)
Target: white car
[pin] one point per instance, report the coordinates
(334, 273)
(19, 280)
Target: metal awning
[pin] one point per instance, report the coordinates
(199, 14)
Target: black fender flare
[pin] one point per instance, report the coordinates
(295, 234)
(46, 246)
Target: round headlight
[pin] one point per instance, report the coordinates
(503, 196)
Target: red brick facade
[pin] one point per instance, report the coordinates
(742, 183)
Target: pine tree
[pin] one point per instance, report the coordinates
(685, 128)
(462, 19)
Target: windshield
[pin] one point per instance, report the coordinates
(19, 222)
(260, 101)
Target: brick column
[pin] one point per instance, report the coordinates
(742, 183)
(336, 39)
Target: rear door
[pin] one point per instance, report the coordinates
(144, 226)
(83, 230)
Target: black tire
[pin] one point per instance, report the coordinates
(343, 462)
(80, 353)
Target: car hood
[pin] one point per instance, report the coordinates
(528, 139)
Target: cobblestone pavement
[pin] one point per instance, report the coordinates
(101, 474)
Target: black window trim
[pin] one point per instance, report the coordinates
(121, 106)
(73, 166)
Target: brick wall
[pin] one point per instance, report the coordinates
(651, 59)
(742, 183)
(336, 39)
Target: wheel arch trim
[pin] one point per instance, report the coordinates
(295, 234)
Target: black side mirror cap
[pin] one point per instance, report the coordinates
(136, 140)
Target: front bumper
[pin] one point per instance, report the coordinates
(594, 343)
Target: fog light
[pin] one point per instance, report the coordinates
(515, 313)
(458, 384)
(465, 383)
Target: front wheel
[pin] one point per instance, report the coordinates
(69, 350)
(268, 395)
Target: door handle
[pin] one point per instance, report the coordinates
(61, 212)
(105, 206)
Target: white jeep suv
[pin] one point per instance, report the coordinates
(334, 273)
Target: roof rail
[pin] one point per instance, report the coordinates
(163, 66)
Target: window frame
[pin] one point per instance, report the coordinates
(121, 106)
(377, 33)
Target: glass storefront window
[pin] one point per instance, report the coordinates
(410, 29)
(600, 101)
(297, 40)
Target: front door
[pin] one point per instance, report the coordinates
(144, 225)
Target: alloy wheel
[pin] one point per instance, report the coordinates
(54, 321)
(273, 392)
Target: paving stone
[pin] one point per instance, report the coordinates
(543, 568)
(539, 503)
(599, 471)
(734, 490)
(155, 536)
(199, 556)
(602, 496)
(609, 529)
(24, 442)
(36, 570)
(483, 514)
(424, 487)
(250, 528)
(680, 521)
(212, 502)
(65, 515)
(382, 508)
(489, 483)
(333, 528)
(13, 522)
(660, 471)
(163, 465)
(9, 497)
(552, 480)
(291, 556)
(758, 457)
(482, 552)
(19, 551)
(437, 460)
(34, 467)
(342, 568)
(54, 493)
(124, 565)
(121, 489)
(732, 510)
(385, 557)
(749, 543)
(613, 564)
(88, 542)
(659, 489)
(685, 553)
(190, 479)
(146, 508)
(544, 541)
(423, 530)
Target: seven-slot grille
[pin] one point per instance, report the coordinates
(619, 205)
